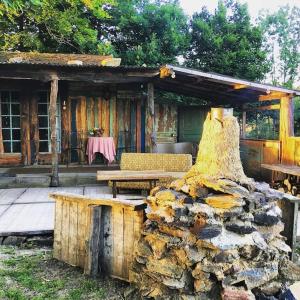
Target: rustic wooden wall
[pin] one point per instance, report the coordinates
(166, 123)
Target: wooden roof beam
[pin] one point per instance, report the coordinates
(273, 96)
(240, 86)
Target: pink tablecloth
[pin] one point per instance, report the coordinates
(103, 145)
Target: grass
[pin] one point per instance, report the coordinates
(34, 274)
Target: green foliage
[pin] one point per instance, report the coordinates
(226, 42)
(53, 25)
(283, 29)
(143, 32)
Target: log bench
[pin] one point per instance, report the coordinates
(97, 233)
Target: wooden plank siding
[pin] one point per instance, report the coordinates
(97, 234)
(120, 115)
(165, 123)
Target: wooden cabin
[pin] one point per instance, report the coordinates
(49, 102)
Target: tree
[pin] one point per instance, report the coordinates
(53, 25)
(226, 42)
(147, 32)
(283, 34)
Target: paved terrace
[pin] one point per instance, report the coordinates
(26, 211)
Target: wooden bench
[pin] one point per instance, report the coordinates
(97, 233)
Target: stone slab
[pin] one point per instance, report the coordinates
(8, 196)
(25, 219)
(40, 195)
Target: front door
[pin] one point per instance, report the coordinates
(191, 119)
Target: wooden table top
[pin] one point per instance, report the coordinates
(137, 175)
(288, 169)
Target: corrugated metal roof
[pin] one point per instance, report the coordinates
(224, 79)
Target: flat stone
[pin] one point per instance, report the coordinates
(166, 267)
(224, 201)
(289, 270)
(271, 288)
(143, 249)
(240, 227)
(158, 244)
(229, 240)
(41, 241)
(253, 277)
(203, 209)
(209, 232)
(227, 256)
(265, 219)
(280, 245)
(231, 293)
(194, 255)
(249, 252)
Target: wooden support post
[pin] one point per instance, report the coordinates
(34, 129)
(286, 129)
(52, 117)
(25, 127)
(1, 137)
(138, 125)
(243, 135)
(150, 128)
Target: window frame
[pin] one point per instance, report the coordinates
(10, 115)
(58, 121)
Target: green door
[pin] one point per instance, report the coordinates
(191, 119)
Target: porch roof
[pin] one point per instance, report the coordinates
(221, 88)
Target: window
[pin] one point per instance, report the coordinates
(262, 125)
(10, 118)
(44, 123)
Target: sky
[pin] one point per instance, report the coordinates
(191, 6)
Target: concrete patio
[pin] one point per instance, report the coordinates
(29, 211)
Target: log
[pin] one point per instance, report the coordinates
(34, 130)
(52, 117)
(219, 155)
(150, 140)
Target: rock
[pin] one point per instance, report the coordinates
(210, 232)
(1, 239)
(253, 277)
(271, 288)
(247, 217)
(229, 240)
(228, 256)
(143, 249)
(157, 189)
(181, 256)
(197, 191)
(175, 283)
(288, 270)
(224, 201)
(14, 240)
(194, 255)
(280, 245)
(249, 252)
(203, 285)
(240, 227)
(265, 219)
(202, 209)
(166, 267)
(231, 293)
(177, 184)
(41, 241)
